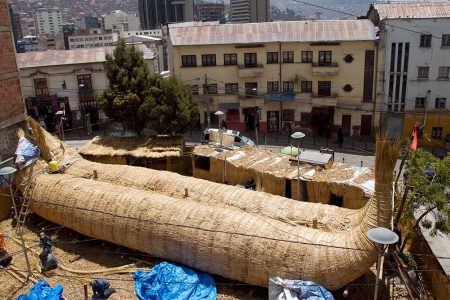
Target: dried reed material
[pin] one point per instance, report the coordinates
(214, 236)
(368, 175)
(142, 147)
(20, 133)
(111, 160)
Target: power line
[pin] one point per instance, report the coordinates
(353, 15)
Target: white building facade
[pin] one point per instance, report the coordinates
(92, 40)
(67, 79)
(415, 45)
(48, 21)
(120, 21)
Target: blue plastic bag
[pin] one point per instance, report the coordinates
(26, 153)
(167, 281)
(42, 291)
(297, 289)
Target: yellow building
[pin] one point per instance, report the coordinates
(313, 75)
(436, 127)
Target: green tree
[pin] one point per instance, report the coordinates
(428, 202)
(175, 110)
(128, 98)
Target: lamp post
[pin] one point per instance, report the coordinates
(62, 115)
(255, 92)
(219, 113)
(7, 174)
(381, 237)
(298, 136)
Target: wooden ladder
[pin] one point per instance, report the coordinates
(24, 211)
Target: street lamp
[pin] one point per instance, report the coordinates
(381, 237)
(219, 113)
(7, 173)
(62, 115)
(298, 136)
(255, 92)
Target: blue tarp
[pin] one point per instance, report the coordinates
(167, 281)
(298, 289)
(26, 153)
(42, 291)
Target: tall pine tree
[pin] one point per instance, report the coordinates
(175, 110)
(128, 98)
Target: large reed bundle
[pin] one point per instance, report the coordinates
(246, 243)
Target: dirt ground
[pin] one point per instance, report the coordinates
(78, 254)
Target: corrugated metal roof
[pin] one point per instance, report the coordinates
(70, 57)
(294, 31)
(413, 10)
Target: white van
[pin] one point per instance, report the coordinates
(239, 140)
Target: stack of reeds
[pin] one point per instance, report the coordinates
(225, 230)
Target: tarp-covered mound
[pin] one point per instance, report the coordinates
(167, 281)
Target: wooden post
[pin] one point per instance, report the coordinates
(361, 164)
(186, 193)
(86, 297)
(95, 174)
(315, 223)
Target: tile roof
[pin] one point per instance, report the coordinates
(412, 10)
(292, 31)
(70, 57)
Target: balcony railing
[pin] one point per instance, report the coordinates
(324, 95)
(325, 68)
(250, 71)
(326, 100)
(246, 66)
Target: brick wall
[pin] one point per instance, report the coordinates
(11, 103)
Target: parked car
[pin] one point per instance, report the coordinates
(239, 140)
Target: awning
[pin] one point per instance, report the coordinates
(280, 97)
(226, 106)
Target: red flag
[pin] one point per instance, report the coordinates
(415, 137)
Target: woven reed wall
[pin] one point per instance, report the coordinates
(105, 159)
(320, 192)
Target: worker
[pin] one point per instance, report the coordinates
(101, 289)
(5, 257)
(48, 260)
(251, 184)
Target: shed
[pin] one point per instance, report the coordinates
(154, 152)
(340, 184)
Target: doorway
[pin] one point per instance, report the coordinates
(346, 124)
(366, 125)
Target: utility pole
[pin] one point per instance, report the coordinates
(206, 91)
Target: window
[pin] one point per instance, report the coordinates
(84, 80)
(306, 87)
(231, 88)
(208, 60)
(394, 45)
(250, 59)
(251, 88)
(440, 103)
(443, 72)
(436, 133)
(40, 87)
(425, 40)
(272, 86)
(210, 89)
(272, 57)
(288, 56)
(324, 58)
(369, 68)
(324, 88)
(288, 86)
(445, 40)
(305, 119)
(307, 56)
(420, 102)
(288, 114)
(230, 59)
(188, 60)
(423, 72)
(194, 89)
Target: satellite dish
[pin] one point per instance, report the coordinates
(382, 235)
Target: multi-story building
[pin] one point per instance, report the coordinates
(87, 22)
(415, 44)
(90, 38)
(313, 75)
(155, 13)
(15, 24)
(48, 21)
(150, 32)
(249, 11)
(28, 43)
(68, 79)
(11, 103)
(208, 11)
(119, 21)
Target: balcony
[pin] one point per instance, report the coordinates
(325, 68)
(250, 70)
(320, 99)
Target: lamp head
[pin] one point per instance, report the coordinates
(382, 236)
(298, 135)
(6, 173)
